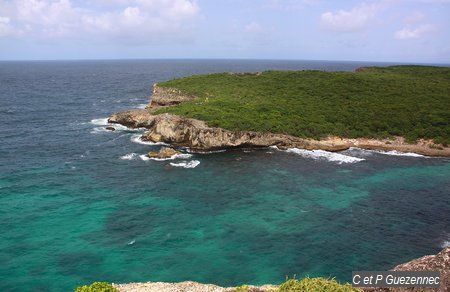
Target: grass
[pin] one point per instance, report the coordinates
(97, 287)
(376, 102)
(316, 285)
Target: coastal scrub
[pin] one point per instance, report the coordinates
(374, 102)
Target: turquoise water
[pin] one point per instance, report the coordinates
(72, 211)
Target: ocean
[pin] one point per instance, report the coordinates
(80, 204)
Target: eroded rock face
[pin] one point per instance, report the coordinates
(135, 118)
(196, 134)
(187, 286)
(163, 96)
(439, 262)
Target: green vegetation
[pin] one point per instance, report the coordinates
(291, 285)
(97, 287)
(316, 285)
(377, 102)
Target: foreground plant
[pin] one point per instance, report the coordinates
(97, 287)
(315, 284)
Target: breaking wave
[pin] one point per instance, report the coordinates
(100, 122)
(103, 123)
(325, 155)
(205, 152)
(184, 164)
(176, 156)
(367, 152)
(136, 138)
(130, 156)
(397, 153)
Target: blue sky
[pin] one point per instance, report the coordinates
(377, 30)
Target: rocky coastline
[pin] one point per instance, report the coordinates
(197, 135)
(439, 262)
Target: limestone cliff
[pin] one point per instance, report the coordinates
(196, 134)
(163, 96)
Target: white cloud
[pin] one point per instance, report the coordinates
(253, 27)
(132, 19)
(435, 1)
(5, 28)
(289, 4)
(414, 17)
(352, 20)
(409, 33)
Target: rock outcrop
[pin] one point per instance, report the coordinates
(439, 262)
(164, 152)
(135, 118)
(187, 286)
(163, 96)
(196, 134)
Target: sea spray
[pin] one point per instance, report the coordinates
(184, 164)
(324, 155)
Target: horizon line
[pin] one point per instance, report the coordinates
(218, 59)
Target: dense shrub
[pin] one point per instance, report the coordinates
(97, 287)
(315, 285)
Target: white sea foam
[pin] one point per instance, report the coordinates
(184, 164)
(205, 152)
(104, 123)
(130, 156)
(136, 138)
(397, 153)
(99, 130)
(131, 242)
(445, 244)
(321, 154)
(120, 127)
(173, 157)
(100, 122)
(367, 152)
(143, 106)
(144, 157)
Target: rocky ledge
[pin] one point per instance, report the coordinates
(439, 262)
(163, 153)
(196, 134)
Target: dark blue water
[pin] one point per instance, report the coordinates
(73, 211)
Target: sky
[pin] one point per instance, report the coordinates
(374, 30)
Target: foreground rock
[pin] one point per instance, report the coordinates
(196, 134)
(439, 262)
(163, 153)
(187, 286)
